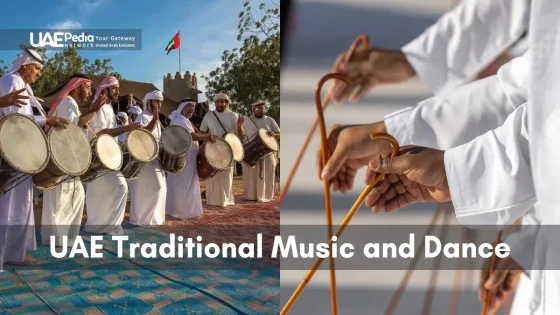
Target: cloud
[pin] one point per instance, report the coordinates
(88, 5)
(66, 24)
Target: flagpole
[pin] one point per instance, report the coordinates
(179, 51)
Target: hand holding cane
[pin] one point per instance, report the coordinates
(362, 39)
(352, 211)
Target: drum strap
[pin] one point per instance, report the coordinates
(254, 123)
(225, 131)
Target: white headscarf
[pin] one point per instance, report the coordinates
(134, 109)
(221, 96)
(124, 116)
(154, 95)
(180, 109)
(27, 57)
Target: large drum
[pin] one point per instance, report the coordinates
(139, 149)
(175, 143)
(70, 156)
(23, 150)
(236, 146)
(107, 157)
(213, 158)
(258, 147)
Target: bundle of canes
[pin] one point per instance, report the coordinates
(321, 106)
(353, 210)
(361, 39)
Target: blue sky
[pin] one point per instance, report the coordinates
(208, 27)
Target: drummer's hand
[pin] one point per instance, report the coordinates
(349, 149)
(270, 133)
(13, 99)
(501, 284)
(99, 102)
(417, 175)
(134, 126)
(212, 137)
(367, 68)
(57, 121)
(240, 120)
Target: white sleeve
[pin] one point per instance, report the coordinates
(204, 127)
(456, 117)
(465, 40)
(98, 122)
(143, 120)
(490, 177)
(275, 127)
(65, 110)
(40, 120)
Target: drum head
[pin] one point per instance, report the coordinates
(142, 145)
(236, 146)
(270, 142)
(218, 154)
(23, 144)
(109, 152)
(176, 140)
(70, 149)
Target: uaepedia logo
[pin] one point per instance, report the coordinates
(58, 39)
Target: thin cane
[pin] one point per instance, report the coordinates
(360, 39)
(353, 210)
(324, 158)
(404, 282)
(490, 271)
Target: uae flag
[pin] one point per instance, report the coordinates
(173, 43)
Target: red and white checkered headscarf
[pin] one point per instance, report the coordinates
(106, 83)
(71, 85)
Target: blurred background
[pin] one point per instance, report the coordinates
(319, 30)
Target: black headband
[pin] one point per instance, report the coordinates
(30, 53)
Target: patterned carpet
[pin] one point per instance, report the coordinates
(115, 285)
(112, 285)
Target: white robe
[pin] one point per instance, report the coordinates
(105, 196)
(522, 157)
(183, 188)
(258, 181)
(465, 40)
(149, 190)
(219, 189)
(17, 223)
(63, 205)
(454, 118)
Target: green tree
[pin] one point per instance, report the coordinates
(252, 72)
(64, 64)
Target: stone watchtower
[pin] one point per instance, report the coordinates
(178, 87)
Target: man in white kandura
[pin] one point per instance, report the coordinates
(63, 205)
(148, 192)
(258, 181)
(106, 196)
(122, 120)
(219, 190)
(134, 112)
(16, 206)
(183, 188)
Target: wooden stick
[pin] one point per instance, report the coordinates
(402, 286)
(490, 271)
(342, 227)
(360, 39)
